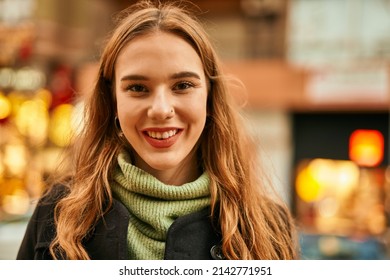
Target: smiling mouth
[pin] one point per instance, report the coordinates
(162, 135)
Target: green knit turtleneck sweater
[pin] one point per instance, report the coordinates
(154, 206)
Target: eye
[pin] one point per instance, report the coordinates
(136, 88)
(181, 86)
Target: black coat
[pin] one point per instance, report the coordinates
(191, 237)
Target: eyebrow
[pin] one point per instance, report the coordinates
(134, 77)
(183, 74)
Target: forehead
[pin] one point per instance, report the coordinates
(157, 47)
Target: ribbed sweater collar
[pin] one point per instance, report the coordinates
(154, 206)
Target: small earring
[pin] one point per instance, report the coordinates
(117, 124)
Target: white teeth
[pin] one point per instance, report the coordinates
(162, 135)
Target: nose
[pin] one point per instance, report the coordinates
(161, 107)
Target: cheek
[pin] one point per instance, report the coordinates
(118, 101)
(196, 114)
(199, 108)
(121, 111)
(127, 113)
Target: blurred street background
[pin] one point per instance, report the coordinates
(316, 96)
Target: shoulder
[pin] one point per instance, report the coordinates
(44, 210)
(53, 194)
(40, 230)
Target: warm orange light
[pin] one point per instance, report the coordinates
(5, 106)
(366, 147)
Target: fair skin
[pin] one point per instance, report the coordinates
(161, 93)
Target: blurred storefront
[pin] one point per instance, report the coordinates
(36, 105)
(340, 173)
(41, 50)
(340, 184)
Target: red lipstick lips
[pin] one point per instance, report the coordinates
(161, 138)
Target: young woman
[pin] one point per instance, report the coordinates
(162, 169)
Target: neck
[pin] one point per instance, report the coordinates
(187, 171)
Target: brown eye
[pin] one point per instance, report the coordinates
(136, 88)
(183, 86)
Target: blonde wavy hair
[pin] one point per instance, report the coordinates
(252, 224)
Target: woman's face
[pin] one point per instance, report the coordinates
(161, 93)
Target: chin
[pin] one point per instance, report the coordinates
(162, 167)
